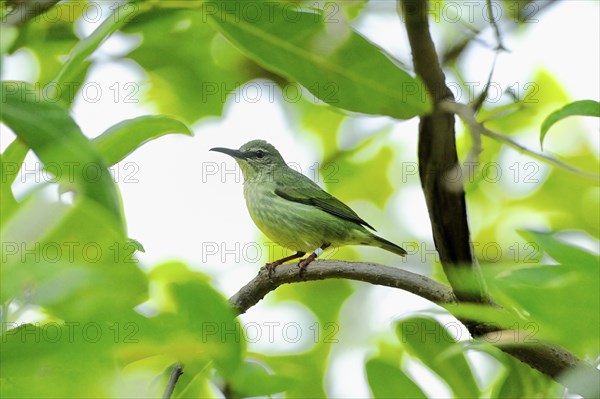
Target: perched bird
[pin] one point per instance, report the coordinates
(293, 211)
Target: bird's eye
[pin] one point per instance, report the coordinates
(260, 154)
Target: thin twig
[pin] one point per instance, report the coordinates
(499, 45)
(466, 113)
(476, 148)
(175, 374)
(483, 96)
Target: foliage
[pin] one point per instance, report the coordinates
(582, 107)
(100, 323)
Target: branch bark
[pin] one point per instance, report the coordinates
(373, 273)
(438, 161)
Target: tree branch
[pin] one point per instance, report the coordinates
(173, 378)
(467, 114)
(437, 160)
(549, 359)
(373, 273)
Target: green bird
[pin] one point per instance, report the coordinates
(293, 211)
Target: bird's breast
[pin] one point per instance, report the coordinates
(294, 225)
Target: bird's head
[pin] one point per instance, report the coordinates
(256, 158)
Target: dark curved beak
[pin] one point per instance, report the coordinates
(230, 152)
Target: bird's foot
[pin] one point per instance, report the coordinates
(305, 262)
(271, 267)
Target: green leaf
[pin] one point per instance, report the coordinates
(10, 164)
(8, 35)
(252, 379)
(120, 140)
(73, 261)
(336, 64)
(541, 92)
(518, 380)
(432, 344)
(57, 360)
(71, 266)
(324, 123)
(345, 175)
(50, 37)
(301, 367)
(84, 48)
(562, 303)
(389, 381)
(204, 314)
(560, 251)
(352, 9)
(323, 298)
(581, 108)
(491, 315)
(194, 78)
(51, 133)
(137, 246)
(199, 321)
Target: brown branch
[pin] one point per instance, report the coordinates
(373, 273)
(173, 378)
(437, 161)
(548, 359)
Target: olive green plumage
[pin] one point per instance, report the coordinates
(295, 212)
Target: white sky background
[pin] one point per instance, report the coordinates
(175, 210)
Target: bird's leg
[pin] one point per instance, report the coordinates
(305, 262)
(271, 266)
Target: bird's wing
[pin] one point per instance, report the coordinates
(305, 191)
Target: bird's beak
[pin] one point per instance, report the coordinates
(234, 153)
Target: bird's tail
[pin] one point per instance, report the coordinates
(388, 246)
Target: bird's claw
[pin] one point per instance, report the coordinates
(271, 268)
(303, 264)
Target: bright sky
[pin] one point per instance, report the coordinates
(184, 202)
